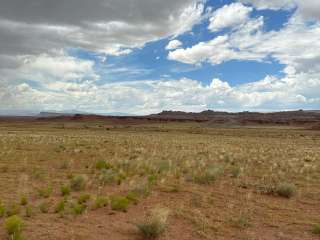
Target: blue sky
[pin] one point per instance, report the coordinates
(151, 62)
(145, 57)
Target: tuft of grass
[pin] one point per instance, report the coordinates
(12, 209)
(119, 203)
(23, 201)
(83, 198)
(44, 207)
(100, 202)
(65, 190)
(45, 192)
(29, 211)
(155, 224)
(241, 222)
(60, 207)
(207, 176)
(133, 197)
(101, 164)
(13, 226)
(316, 229)
(286, 190)
(235, 171)
(78, 208)
(78, 182)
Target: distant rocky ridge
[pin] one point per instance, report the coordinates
(309, 119)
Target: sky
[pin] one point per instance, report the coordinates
(145, 56)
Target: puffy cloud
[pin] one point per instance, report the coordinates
(229, 16)
(222, 48)
(250, 42)
(174, 44)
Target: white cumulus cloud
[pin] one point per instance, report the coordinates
(229, 16)
(174, 44)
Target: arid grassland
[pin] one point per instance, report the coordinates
(93, 181)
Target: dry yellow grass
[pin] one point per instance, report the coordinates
(219, 183)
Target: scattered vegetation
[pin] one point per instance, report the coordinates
(194, 171)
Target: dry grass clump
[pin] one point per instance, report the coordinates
(78, 182)
(119, 203)
(286, 190)
(44, 207)
(207, 175)
(45, 192)
(155, 224)
(100, 202)
(13, 226)
(65, 190)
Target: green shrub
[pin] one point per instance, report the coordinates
(119, 203)
(78, 209)
(155, 224)
(133, 197)
(286, 190)
(316, 229)
(60, 207)
(65, 190)
(78, 183)
(23, 201)
(45, 192)
(44, 207)
(83, 198)
(100, 202)
(13, 226)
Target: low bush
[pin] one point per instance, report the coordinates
(65, 190)
(286, 190)
(155, 224)
(83, 198)
(78, 183)
(44, 207)
(45, 192)
(13, 226)
(119, 203)
(78, 209)
(100, 202)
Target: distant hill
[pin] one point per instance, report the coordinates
(308, 119)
